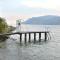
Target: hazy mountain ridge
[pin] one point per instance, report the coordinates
(45, 20)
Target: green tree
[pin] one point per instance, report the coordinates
(3, 25)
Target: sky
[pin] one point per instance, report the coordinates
(13, 10)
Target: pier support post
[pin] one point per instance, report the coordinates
(20, 37)
(29, 37)
(45, 36)
(34, 37)
(25, 37)
(39, 37)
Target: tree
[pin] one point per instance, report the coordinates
(3, 25)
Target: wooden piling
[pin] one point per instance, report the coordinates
(39, 37)
(25, 37)
(29, 37)
(34, 37)
(45, 36)
(20, 37)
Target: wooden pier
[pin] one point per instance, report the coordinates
(29, 33)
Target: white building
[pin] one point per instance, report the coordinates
(18, 25)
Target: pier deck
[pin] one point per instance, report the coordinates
(29, 32)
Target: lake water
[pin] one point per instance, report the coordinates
(49, 50)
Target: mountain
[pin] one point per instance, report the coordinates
(44, 20)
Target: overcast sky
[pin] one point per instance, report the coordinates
(12, 10)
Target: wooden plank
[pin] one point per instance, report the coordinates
(34, 32)
(25, 32)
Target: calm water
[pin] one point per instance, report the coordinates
(44, 51)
